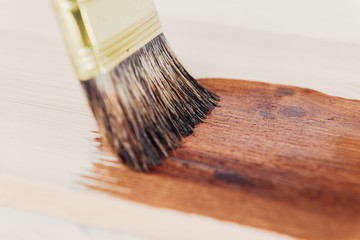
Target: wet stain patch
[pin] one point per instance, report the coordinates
(232, 177)
(267, 115)
(245, 166)
(293, 112)
(284, 91)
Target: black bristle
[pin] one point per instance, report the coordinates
(147, 103)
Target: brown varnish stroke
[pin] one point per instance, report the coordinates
(281, 158)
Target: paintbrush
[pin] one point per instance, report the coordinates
(143, 99)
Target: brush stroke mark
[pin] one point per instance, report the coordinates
(300, 178)
(232, 177)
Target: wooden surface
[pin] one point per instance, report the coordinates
(276, 157)
(47, 132)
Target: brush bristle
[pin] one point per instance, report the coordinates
(146, 103)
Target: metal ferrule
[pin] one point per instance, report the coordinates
(100, 34)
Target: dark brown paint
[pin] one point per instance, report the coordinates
(281, 158)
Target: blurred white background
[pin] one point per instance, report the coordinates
(327, 19)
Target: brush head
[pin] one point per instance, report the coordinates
(141, 96)
(146, 104)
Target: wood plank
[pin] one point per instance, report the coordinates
(47, 130)
(281, 158)
(37, 227)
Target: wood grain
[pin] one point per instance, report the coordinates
(47, 129)
(281, 158)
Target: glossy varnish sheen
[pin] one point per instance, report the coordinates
(281, 158)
